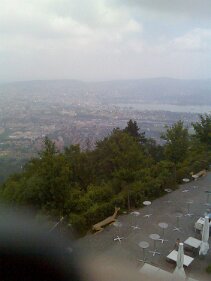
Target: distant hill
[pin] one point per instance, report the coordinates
(156, 90)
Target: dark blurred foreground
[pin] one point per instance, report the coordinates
(29, 251)
(32, 252)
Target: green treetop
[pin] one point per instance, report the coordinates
(203, 129)
(177, 142)
(133, 130)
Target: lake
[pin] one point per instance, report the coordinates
(167, 107)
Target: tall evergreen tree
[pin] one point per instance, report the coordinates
(133, 130)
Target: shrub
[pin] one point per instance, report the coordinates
(183, 172)
(208, 269)
(78, 223)
(97, 213)
(101, 193)
(120, 200)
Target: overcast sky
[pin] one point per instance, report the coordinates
(104, 39)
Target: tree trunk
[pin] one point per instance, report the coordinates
(128, 200)
(175, 173)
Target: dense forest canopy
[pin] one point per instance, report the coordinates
(123, 170)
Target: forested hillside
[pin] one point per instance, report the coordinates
(123, 170)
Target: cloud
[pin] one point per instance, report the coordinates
(56, 24)
(62, 17)
(188, 8)
(197, 40)
(100, 39)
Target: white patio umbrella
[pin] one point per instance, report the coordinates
(179, 272)
(204, 247)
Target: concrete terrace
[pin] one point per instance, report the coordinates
(104, 257)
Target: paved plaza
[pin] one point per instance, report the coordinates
(189, 203)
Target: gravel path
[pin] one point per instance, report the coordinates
(101, 247)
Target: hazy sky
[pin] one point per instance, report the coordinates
(104, 39)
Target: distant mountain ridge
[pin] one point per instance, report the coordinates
(151, 90)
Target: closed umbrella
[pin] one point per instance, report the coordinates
(179, 272)
(209, 215)
(204, 247)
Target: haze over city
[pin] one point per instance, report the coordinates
(104, 40)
